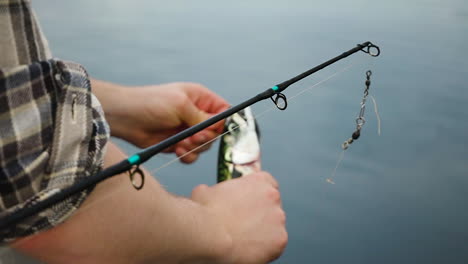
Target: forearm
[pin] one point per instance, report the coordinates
(114, 99)
(118, 224)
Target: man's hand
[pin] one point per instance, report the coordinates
(250, 209)
(146, 115)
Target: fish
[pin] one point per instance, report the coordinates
(239, 148)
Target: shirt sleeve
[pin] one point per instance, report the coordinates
(52, 134)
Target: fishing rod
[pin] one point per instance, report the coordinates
(132, 163)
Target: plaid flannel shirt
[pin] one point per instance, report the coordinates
(52, 128)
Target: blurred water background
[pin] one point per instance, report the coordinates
(399, 198)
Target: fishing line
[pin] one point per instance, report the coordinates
(274, 93)
(376, 111)
(122, 188)
(260, 115)
(257, 116)
(340, 158)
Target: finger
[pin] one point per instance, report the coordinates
(199, 142)
(189, 158)
(190, 115)
(218, 104)
(207, 102)
(202, 148)
(272, 180)
(193, 113)
(189, 146)
(216, 127)
(200, 138)
(185, 156)
(205, 99)
(266, 177)
(203, 137)
(196, 148)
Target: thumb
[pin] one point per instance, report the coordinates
(191, 115)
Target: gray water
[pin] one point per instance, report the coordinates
(400, 197)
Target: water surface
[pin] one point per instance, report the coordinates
(398, 198)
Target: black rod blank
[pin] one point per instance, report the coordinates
(149, 152)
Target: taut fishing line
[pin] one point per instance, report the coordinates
(260, 115)
(137, 159)
(121, 188)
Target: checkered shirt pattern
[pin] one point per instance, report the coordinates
(52, 128)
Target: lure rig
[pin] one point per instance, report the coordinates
(132, 164)
(360, 121)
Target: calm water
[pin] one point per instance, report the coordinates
(398, 198)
